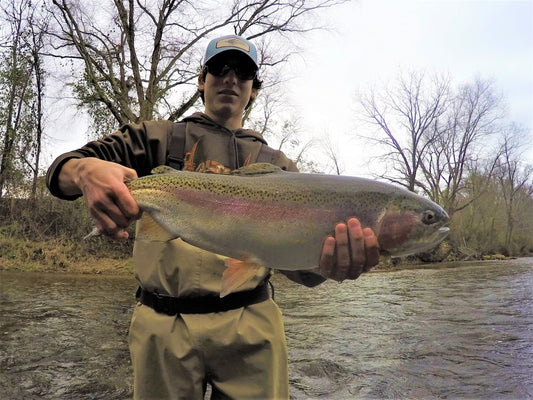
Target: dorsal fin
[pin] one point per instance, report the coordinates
(257, 169)
(163, 169)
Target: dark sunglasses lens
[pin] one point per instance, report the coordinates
(242, 72)
(245, 74)
(218, 69)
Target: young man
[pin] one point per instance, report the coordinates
(182, 335)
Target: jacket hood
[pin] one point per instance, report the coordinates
(201, 118)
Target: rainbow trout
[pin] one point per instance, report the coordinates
(265, 216)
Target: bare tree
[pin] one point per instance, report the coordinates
(433, 133)
(457, 149)
(38, 26)
(281, 128)
(331, 151)
(16, 92)
(140, 59)
(407, 116)
(516, 180)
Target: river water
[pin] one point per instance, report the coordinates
(455, 331)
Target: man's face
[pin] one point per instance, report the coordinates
(226, 96)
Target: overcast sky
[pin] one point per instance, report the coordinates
(373, 39)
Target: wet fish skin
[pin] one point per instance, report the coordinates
(281, 218)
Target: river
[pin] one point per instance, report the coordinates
(452, 331)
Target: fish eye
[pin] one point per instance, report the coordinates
(429, 217)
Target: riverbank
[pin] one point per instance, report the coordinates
(85, 258)
(92, 266)
(64, 256)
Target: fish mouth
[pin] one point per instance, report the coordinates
(443, 231)
(438, 236)
(429, 242)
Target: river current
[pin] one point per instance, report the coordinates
(450, 331)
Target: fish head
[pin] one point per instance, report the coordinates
(411, 225)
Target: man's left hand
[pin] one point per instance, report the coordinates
(351, 252)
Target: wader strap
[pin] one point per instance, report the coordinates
(176, 148)
(202, 305)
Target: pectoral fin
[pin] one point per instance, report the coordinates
(237, 273)
(149, 229)
(95, 232)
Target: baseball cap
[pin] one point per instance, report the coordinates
(231, 42)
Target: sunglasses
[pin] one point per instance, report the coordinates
(243, 72)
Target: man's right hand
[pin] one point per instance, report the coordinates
(108, 199)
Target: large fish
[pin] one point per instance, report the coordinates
(279, 219)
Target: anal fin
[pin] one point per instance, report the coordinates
(238, 272)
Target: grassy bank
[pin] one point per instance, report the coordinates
(64, 256)
(105, 257)
(101, 255)
(47, 235)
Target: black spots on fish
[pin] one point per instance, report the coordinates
(266, 194)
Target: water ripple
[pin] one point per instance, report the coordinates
(456, 331)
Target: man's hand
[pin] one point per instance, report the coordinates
(109, 201)
(351, 252)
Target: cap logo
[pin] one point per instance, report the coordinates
(233, 42)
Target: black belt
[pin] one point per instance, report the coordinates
(202, 305)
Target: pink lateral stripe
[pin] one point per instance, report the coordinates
(263, 210)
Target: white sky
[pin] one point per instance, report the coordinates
(373, 38)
